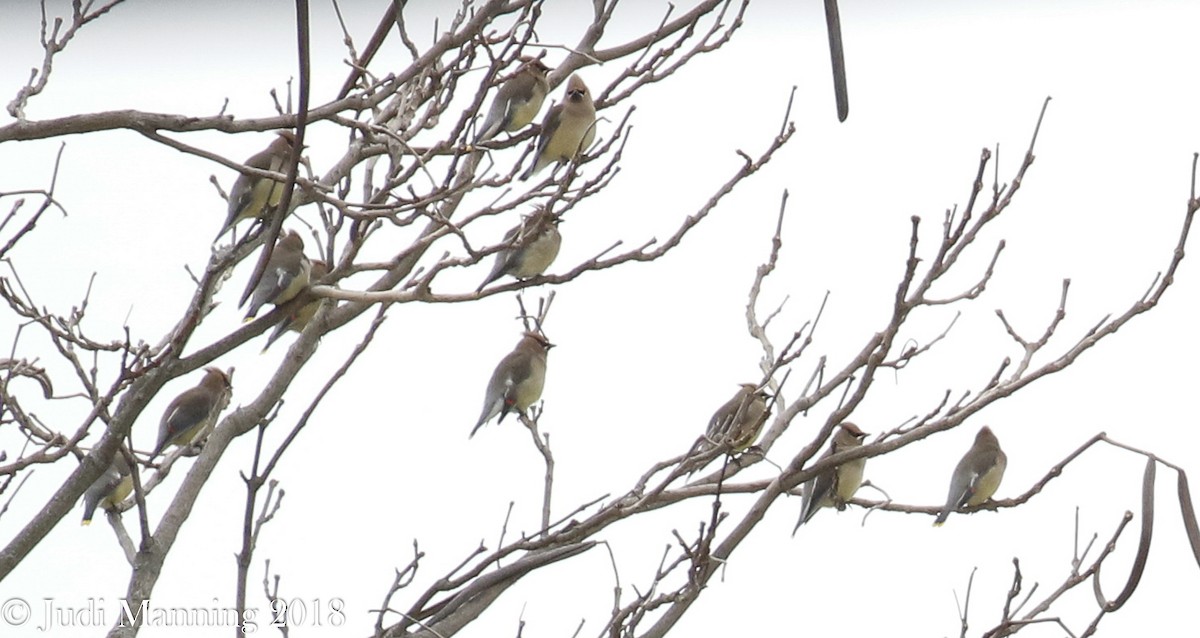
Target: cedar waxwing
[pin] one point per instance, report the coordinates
(568, 128)
(301, 316)
(835, 486)
(740, 420)
(109, 489)
(517, 102)
(251, 195)
(976, 476)
(286, 274)
(533, 245)
(192, 414)
(517, 382)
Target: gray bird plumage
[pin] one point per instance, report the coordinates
(739, 420)
(109, 489)
(567, 130)
(299, 318)
(533, 245)
(286, 274)
(835, 486)
(191, 415)
(977, 475)
(251, 195)
(517, 381)
(517, 102)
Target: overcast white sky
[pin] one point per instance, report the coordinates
(648, 351)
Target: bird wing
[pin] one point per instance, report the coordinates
(817, 491)
(971, 472)
(502, 387)
(99, 489)
(243, 193)
(722, 420)
(550, 125)
(821, 487)
(520, 367)
(283, 278)
(985, 478)
(504, 258)
(187, 411)
(497, 117)
(273, 283)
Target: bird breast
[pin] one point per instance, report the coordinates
(539, 254)
(850, 476)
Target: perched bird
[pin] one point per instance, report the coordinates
(518, 100)
(251, 194)
(976, 476)
(740, 420)
(287, 273)
(109, 489)
(835, 486)
(192, 414)
(517, 381)
(568, 128)
(532, 247)
(302, 315)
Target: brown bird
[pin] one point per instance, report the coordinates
(251, 195)
(568, 128)
(517, 381)
(835, 486)
(532, 247)
(976, 476)
(302, 315)
(740, 419)
(109, 489)
(286, 274)
(518, 100)
(191, 415)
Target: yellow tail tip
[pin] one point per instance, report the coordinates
(85, 522)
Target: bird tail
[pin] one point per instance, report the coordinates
(536, 166)
(807, 510)
(89, 509)
(224, 228)
(490, 279)
(275, 335)
(487, 132)
(941, 517)
(483, 418)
